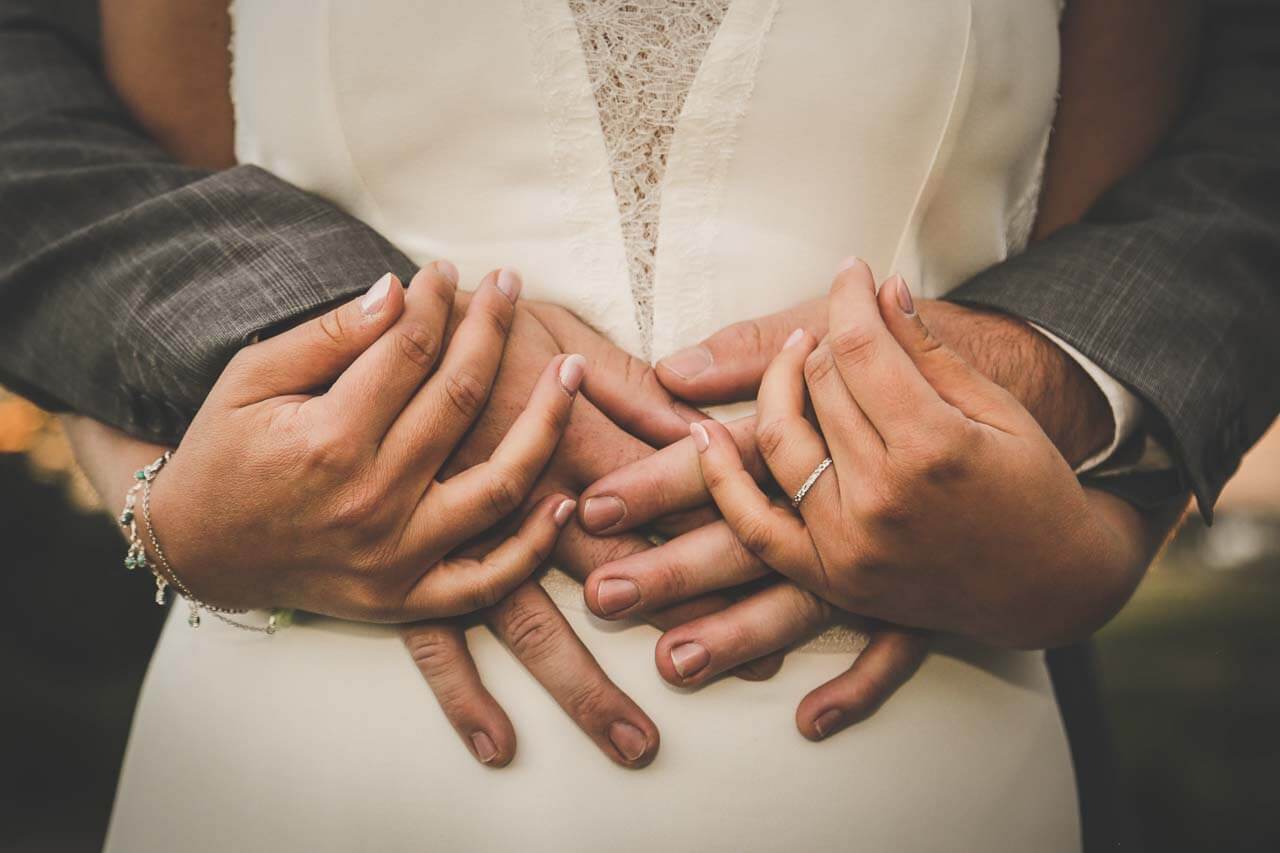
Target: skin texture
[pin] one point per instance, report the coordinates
(171, 66)
(930, 463)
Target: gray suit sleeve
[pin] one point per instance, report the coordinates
(128, 281)
(1172, 282)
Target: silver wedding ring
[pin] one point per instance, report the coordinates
(808, 483)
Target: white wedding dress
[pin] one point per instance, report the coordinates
(753, 144)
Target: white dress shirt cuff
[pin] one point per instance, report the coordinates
(1126, 408)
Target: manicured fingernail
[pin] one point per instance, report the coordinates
(629, 740)
(848, 262)
(688, 363)
(485, 750)
(794, 338)
(827, 723)
(572, 369)
(448, 270)
(689, 659)
(509, 283)
(601, 513)
(564, 511)
(905, 302)
(616, 595)
(376, 296)
(700, 438)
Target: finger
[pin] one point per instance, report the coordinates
(852, 442)
(537, 633)
(775, 535)
(663, 482)
(463, 585)
(578, 553)
(954, 379)
(478, 498)
(624, 387)
(789, 444)
(371, 393)
(440, 651)
(880, 376)
(705, 560)
(728, 365)
(434, 421)
(888, 662)
(774, 618)
(313, 354)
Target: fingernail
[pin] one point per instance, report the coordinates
(602, 513)
(485, 750)
(629, 740)
(689, 362)
(448, 270)
(794, 338)
(564, 511)
(376, 296)
(905, 302)
(827, 723)
(689, 659)
(616, 595)
(572, 369)
(509, 283)
(700, 438)
(848, 262)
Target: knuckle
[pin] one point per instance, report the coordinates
(885, 506)
(502, 494)
(483, 592)
(430, 650)
(466, 393)
(747, 335)
(417, 343)
(675, 582)
(587, 700)
(328, 449)
(854, 346)
(770, 437)
(332, 325)
(756, 534)
(497, 316)
(533, 634)
(818, 365)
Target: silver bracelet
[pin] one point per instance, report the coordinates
(165, 576)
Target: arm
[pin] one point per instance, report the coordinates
(102, 226)
(1169, 281)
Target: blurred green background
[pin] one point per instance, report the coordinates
(1190, 671)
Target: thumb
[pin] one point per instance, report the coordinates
(955, 380)
(313, 354)
(728, 366)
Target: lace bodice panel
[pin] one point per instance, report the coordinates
(642, 57)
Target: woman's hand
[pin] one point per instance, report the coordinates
(946, 507)
(307, 479)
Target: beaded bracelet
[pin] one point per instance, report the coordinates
(165, 576)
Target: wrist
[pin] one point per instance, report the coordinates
(1064, 400)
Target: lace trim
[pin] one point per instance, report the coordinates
(642, 57)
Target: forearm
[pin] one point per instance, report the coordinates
(119, 265)
(1065, 402)
(1168, 285)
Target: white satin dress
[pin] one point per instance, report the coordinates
(753, 144)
